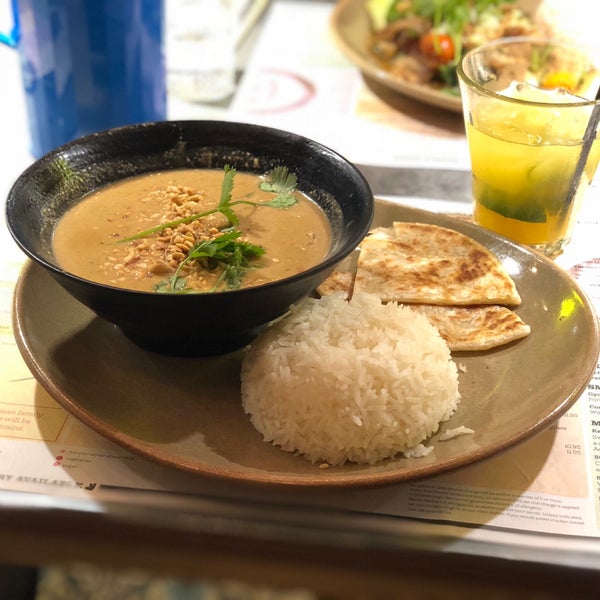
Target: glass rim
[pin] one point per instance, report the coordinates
(480, 88)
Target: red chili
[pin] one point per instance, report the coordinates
(438, 46)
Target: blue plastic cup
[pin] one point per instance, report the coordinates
(88, 65)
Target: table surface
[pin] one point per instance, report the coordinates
(407, 151)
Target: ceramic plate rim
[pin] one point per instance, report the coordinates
(376, 476)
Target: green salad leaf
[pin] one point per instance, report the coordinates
(449, 16)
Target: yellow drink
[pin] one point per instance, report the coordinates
(529, 104)
(521, 182)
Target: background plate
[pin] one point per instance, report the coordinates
(187, 413)
(351, 28)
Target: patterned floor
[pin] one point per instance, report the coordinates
(87, 582)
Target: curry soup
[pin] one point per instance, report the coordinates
(88, 240)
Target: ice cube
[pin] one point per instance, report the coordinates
(535, 124)
(531, 93)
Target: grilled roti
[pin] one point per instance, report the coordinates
(337, 282)
(447, 273)
(464, 328)
(471, 328)
(414, 263)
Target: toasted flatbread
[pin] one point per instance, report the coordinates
(337, 282)
(464, 328)
(448, 274)
(471, 328)
(418, 263)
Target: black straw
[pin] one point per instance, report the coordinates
(588, 139)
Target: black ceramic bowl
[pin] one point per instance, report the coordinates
(188, 324)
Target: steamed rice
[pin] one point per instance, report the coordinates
(356, 381)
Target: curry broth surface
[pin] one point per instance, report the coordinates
(87, 243)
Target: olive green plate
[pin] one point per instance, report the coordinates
(351, 28)
(186, 413)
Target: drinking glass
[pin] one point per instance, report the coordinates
(531, 118)
(202, 45)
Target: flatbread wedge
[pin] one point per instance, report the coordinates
(435, 264)
(337, 282)
(474, 328)
(419, 263)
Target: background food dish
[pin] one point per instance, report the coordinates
(351, 28)
(187, 413)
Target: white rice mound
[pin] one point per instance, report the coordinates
(356, 381)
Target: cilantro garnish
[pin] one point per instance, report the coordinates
(274, 179)
(283, 183)
(226, 251)
(225, 203)
(223, 251)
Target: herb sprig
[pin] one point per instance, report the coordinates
(225, 251)
(279, 180)
(283, 183)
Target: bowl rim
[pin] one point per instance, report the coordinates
(327, 263)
